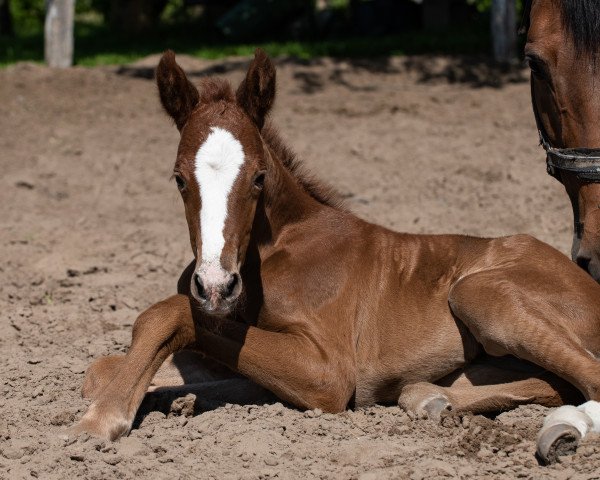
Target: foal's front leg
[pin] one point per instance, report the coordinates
(291, 365)
(164, 328)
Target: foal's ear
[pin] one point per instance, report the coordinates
(257, 92)
(177, 94)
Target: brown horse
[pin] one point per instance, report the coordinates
(326, 310)
(563, 48)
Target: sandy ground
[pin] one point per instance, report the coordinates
(93, 232)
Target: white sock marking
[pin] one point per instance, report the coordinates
(592, 409)
(218, 163)
(585, 417)
(570, 415)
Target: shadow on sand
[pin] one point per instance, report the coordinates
(477, 72)
(194, 399)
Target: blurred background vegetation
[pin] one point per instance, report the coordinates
(119, 31)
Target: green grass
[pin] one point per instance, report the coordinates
(96, 45)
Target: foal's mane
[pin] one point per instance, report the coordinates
(218, 89)
(581, 21)
(315, 188)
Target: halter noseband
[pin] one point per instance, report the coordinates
(583, 162)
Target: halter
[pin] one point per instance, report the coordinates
(584, 163)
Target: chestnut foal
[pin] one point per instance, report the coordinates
(327, 310)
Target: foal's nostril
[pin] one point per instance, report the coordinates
(231, 284)
(199, 286)
(584, 262)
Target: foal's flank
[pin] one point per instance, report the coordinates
(326, 310)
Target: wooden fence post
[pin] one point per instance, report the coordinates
(58, 33)
(504, 30)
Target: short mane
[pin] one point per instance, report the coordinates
(581, 21)
(218, 89)
(315, 188)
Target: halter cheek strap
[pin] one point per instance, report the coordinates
(584, 163)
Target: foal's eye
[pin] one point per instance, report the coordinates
(180, 182)
(259, 180)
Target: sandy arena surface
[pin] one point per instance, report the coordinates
(93, 232)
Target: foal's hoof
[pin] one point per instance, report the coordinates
(108, 425)
(556, 441)
(423, 401)
(436, 406)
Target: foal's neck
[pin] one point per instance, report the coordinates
(285, 202)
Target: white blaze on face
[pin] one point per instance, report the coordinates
(218, 163)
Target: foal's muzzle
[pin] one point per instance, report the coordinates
(215, 289)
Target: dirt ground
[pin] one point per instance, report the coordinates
(93, 232)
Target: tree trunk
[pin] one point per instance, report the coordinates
(504, 30)
(58, 33)
(6, 26)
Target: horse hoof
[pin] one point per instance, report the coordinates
(105, 422)
(424, 400)
(105, 431)
(556, 441)
(436, 406)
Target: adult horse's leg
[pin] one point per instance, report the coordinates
(553, 323)
(164, 328)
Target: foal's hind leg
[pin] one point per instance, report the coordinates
(507, 318)
(482, 388)
(514, 311)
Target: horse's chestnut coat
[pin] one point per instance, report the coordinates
(335, 311)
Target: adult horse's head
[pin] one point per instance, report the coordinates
(220, 170)
(563, 51)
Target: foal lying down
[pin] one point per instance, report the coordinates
(326, 310)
